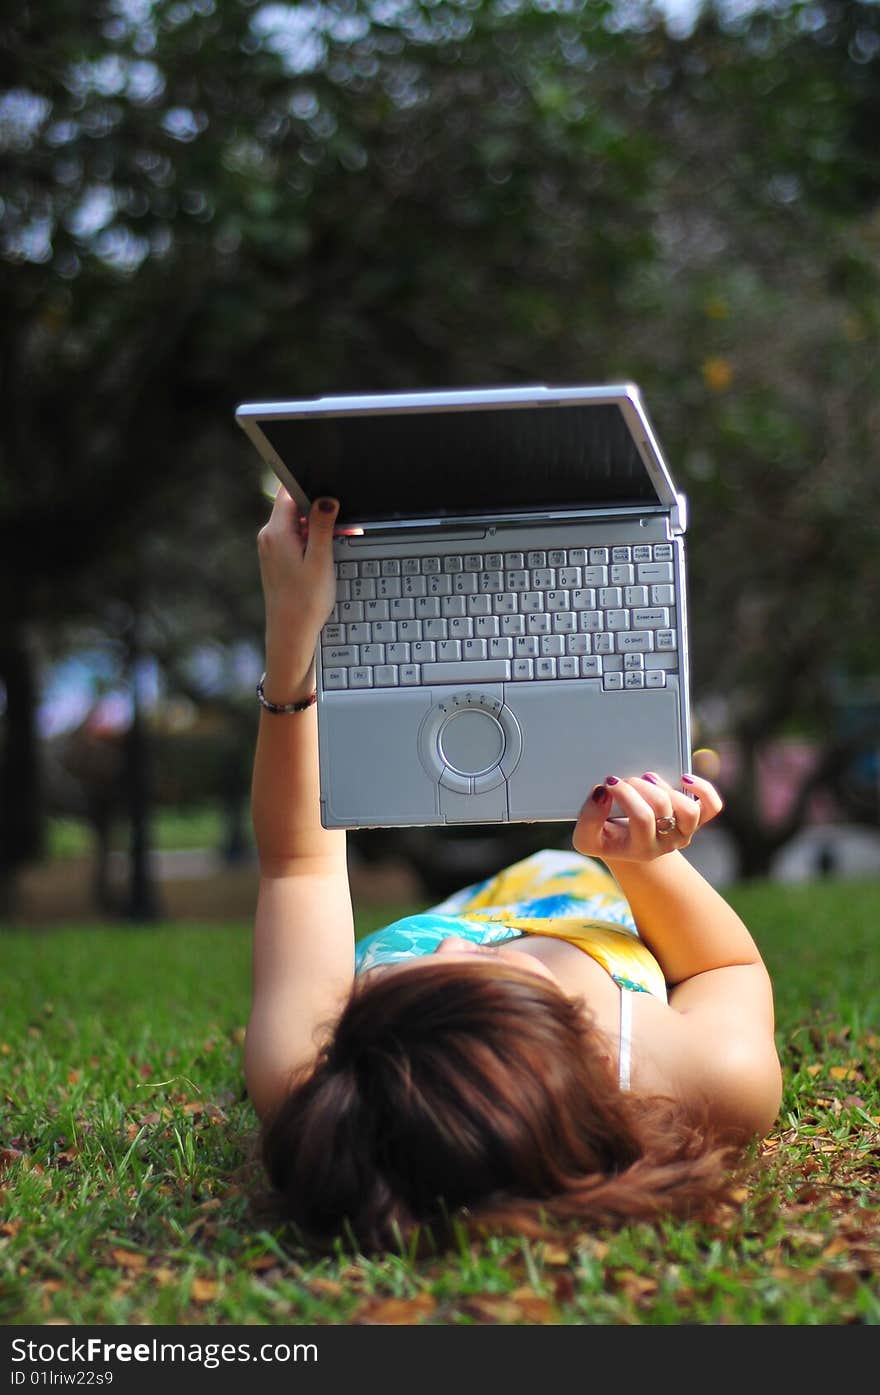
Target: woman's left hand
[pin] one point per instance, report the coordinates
(656, 818)
(298, 579)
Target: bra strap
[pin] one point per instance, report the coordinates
(625, 1044)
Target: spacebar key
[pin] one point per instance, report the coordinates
(472, 671)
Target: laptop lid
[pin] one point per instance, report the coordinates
(485, 455)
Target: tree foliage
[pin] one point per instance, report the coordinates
(211, 200)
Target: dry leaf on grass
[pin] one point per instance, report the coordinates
(633, 1285)
(398, 1311)
(326, 1288)
(493, 1310)
(260, 1264)
(129, 1259)
(555, 1254)
(534, 1307)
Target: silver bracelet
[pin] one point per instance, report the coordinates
(286, 706)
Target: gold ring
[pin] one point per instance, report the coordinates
(667, 824)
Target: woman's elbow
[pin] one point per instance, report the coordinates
(747, 1091)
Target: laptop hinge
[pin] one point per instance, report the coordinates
(476, 526)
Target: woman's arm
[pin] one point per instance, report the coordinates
(688, 926)
(303, 949)
(717, 1047)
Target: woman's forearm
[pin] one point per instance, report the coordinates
(683, 920)
(285, 793)
(299, 586)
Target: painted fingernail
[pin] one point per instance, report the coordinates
(327, 505)
(651, 778)
(687, 779)
(611, 780)
(600, 794)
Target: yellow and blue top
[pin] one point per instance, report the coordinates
(553, 892)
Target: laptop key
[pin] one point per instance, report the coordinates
(475, 671)
(385, 675)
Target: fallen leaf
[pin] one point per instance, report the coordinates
(328, 1288)
(843, 1073)
(836, 1247)
(129, 1259)
(555, 1254)
(398, 1311)
(261, 1263)
(204, 1290)
(534, 1307)
(634, 1285)
(492, 1309)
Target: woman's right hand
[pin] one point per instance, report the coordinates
(648, 804)
(299, 586)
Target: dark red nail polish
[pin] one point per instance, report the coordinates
(611, 780)
(326, 505)
(600, 794)
(652, 779)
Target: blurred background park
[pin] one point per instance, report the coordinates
(211, 201)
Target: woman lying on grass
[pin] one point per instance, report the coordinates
(563, 1042)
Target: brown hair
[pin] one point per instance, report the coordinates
(479, 1092)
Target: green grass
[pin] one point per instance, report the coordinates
(129, 1190)
(199, 827)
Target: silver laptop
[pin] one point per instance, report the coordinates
(510, 624)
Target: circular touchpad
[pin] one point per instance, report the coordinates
(471, 742)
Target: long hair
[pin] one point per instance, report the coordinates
(479, 1093)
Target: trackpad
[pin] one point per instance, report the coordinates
(606, 734)
(371, 775)
(471, 742)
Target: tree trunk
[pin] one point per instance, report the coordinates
(22, 824)
(143, 898)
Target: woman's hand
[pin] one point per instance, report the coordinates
(656, 818)
(299, 588)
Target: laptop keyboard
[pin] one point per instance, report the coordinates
(605, 613)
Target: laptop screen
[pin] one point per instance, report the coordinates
(435, 464)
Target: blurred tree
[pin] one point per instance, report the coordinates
(200, 197)
(211, 200)
(767, 382)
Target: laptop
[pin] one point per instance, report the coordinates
(510, 624)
